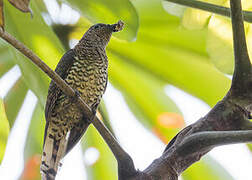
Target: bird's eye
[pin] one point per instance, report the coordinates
(96, 26)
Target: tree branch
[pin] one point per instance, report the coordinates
(240, 90)
(224, 11)
(122, 157)
(209, 139)
(242, 62)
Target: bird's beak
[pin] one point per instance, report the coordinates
(117, 27)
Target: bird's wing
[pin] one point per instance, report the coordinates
(54, 91)
(62, 70)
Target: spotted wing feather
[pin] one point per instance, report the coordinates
(54, 91)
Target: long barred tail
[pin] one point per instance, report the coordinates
(53, 152)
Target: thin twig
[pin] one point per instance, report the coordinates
(119, 153)
(211, 8)
(209, 139)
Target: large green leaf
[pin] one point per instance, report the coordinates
(219, 39)
(179, 65)
(6, 62)
(110, 11)
(38, 37)
(105, 167)
(207, 169)
(4, 130)
(146, 97)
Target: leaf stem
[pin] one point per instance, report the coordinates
(211, 8)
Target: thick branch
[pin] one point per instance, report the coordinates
(209, 139)
(211, 8)
(121, 156)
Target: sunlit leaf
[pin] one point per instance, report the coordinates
(4, 130)
(220, 44)
(32, 168)
(174, 9)
(145, 96)
(181, 67)
(197, 19)
(110, 11)
(6, 61)
(207, 169)
(1, 14)
(104, 165)
(22, 5)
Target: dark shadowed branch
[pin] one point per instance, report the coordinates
(241, 83)
(122, 157)
(210, 139)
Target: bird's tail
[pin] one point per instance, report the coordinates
(53, 152)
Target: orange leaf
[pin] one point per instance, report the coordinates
(32, 168)
(160, 135)
(170, 120)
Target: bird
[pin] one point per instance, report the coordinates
(84, 68)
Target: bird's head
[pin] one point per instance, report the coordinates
(100, 34)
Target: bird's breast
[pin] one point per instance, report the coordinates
(89, 77)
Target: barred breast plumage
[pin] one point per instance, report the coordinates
(84, 68)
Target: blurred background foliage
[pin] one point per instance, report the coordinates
(162, 44)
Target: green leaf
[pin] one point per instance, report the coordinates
(4, 130)
(105, 167)
(219, 39)
(207, 169)
(220, 43)
(146, 97)
(14, 100)
(6, 62)
(40, 38)
(110, 11)
(220, 36)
